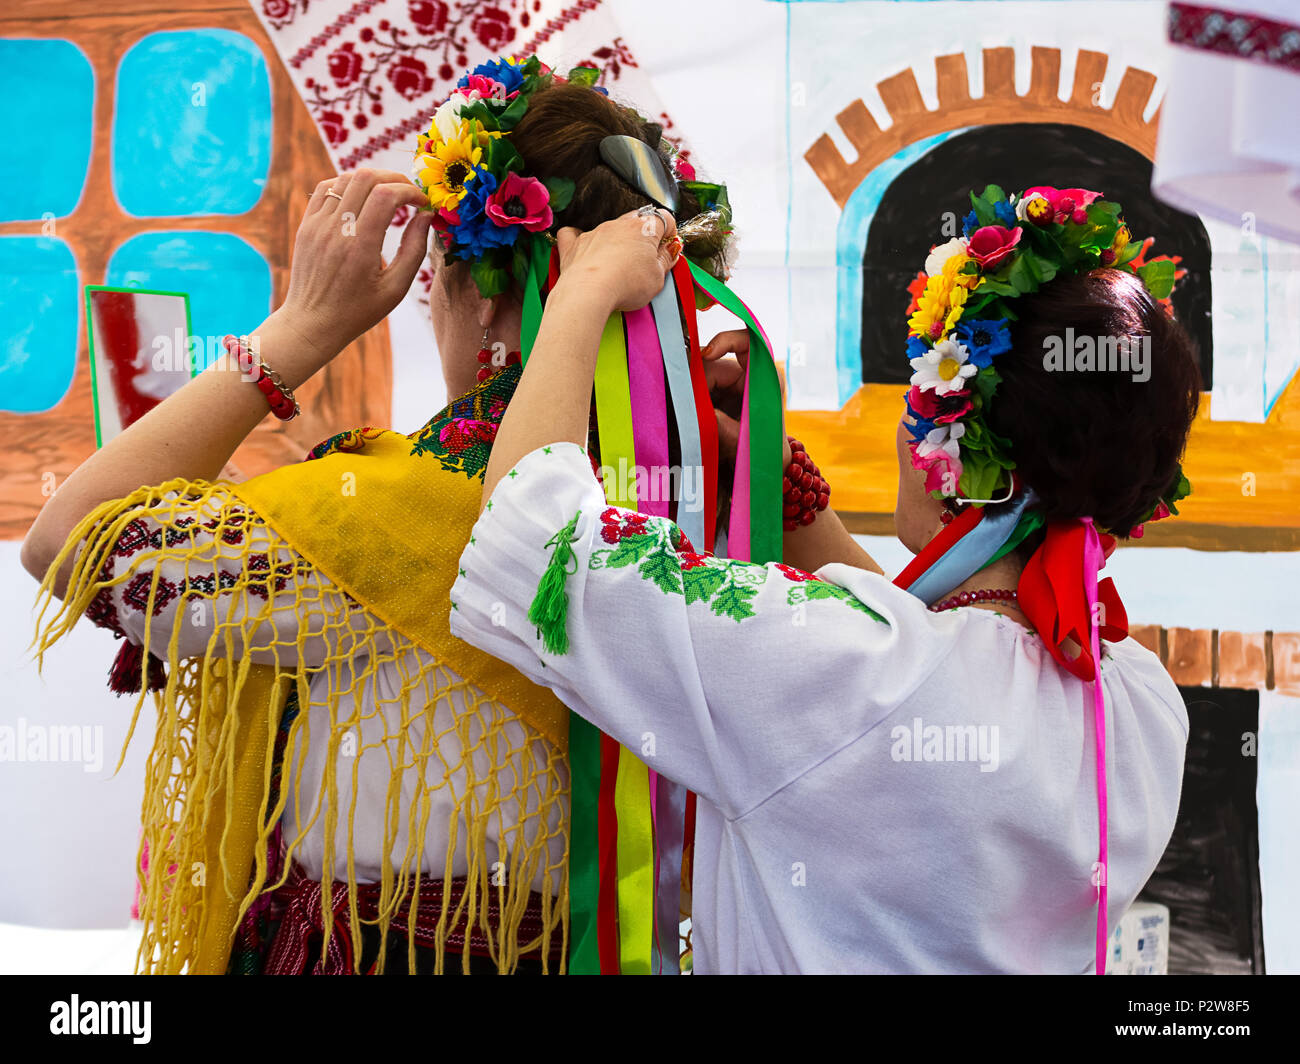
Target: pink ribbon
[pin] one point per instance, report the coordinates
(1094, 557)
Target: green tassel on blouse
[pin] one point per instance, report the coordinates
(550, 608)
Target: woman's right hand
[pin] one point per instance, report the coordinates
(339, 285)
(624, 261)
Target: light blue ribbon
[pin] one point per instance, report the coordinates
(677, 366)
(971, 553)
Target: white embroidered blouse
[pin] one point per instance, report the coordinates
(376, 706)
(881, 788)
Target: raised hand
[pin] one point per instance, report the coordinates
(625, 259)
(726, 380)
(339, 285)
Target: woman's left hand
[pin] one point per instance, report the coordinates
(726, 380)
(624, 260)
(339, 285)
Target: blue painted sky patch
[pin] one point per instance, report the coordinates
(191, 125)
(227, 280)
(39, 317)
(46, 85)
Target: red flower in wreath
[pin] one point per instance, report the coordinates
(345, 65)
(618, 524)
(410, 77)
(797, 575)
(493, 28)
(333, 126)
(429, 16)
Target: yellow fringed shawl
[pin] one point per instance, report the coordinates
(384, 517)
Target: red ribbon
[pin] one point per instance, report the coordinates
(1052, 594)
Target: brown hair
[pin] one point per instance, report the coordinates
(1096, 443)
(560, 135)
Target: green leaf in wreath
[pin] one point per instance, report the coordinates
(560, 190)
(492, 279)
(502, 157)
(584, 75)
(990, 283)
(509, 118)
(984, 212)
(480, 112)
(1158, 276)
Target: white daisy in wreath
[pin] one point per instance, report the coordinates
(943, 369)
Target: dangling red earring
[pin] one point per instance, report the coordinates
(945, 517)
(484, 356)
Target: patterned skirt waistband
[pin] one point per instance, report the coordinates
(296, 946)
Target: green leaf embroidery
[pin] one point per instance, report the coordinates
(702, 582)
(809, 590)
(733, 600)
(661, 568)
(630, 551)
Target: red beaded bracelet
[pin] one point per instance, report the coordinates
(280, 399)
(805, 492)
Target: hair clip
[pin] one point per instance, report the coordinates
(641, 167)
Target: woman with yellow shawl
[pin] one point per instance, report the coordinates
(336, 783)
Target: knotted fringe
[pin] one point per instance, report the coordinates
(207, 779)
(550, 607)
(129, 671)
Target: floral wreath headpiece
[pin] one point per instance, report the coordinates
(490, 213)
(958, 324)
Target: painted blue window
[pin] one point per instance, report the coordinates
(39, 310)
(46, 85)
(191, 125)
(228, 281)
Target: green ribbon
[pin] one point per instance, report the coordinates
(539, 266)
(584, 871)
(766, 449)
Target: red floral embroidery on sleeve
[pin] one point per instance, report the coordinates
(617, 524)
(797, 575)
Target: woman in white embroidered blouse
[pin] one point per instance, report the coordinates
(882, 788)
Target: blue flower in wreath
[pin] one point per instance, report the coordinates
(1006, 214)
(921, 425)
(969, 224)
(984, 339)
(916, 347)
(476, 233)
(498, 70)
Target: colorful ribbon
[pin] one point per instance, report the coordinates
(677, 367)
(631, 829)
(754, 531)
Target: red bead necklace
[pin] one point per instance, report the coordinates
(970, 598)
